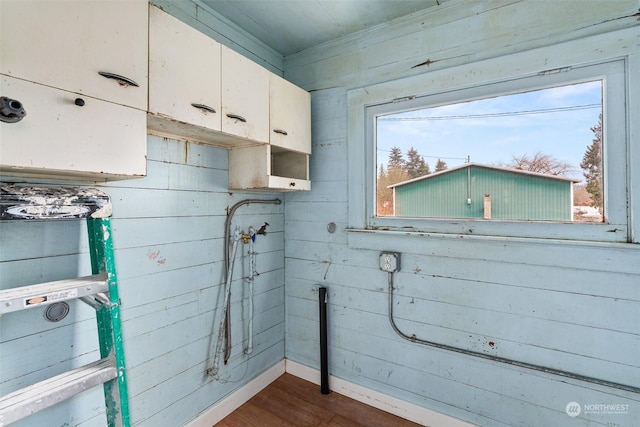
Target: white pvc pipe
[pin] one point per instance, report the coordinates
(252, 269)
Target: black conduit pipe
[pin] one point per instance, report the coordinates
(324, 362)
(512, 362)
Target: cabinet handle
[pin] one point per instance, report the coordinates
(292, 184)
(79, 102)
(11, 110)
(281, 132)
(237, 117)
(203, 107)
(121, 79)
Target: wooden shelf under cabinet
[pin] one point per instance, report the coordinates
(267, 167)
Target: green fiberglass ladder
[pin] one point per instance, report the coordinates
(99, 290)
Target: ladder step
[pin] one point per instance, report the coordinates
(20, 202)
(30, 296)
(34, 398)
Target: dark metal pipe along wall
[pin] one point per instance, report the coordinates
(324, 362)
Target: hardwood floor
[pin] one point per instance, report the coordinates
(291, 401)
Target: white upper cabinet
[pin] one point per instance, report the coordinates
(93, 48)
(184, 79)
(66, 135)
(79, 70)
(290, 115)
(95, 76)
(245, 97)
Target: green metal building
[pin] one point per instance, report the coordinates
(481, 191)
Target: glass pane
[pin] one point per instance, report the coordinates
(534, 155)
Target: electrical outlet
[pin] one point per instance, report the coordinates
(390, 261)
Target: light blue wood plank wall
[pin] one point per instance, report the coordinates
(168, 234)
(567, 305)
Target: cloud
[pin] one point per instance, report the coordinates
(588, 90)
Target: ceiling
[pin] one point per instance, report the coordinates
(290, 26)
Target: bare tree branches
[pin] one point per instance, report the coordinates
(541, 163)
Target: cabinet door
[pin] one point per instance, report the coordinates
(65, 44)
(245, 97)
(290, 115)
(59, 138)
(184, 72)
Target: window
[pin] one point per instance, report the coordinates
(541, 154)
(534, 155)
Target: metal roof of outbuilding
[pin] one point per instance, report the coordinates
(480, 165)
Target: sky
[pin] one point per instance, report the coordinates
(555, 121)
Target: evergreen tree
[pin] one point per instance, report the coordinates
(415, 164)
(396, 161)
(396, 168)
(592, 165)
(441, 165)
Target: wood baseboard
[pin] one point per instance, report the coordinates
(220, 410)
(378, 400)
(373, 398)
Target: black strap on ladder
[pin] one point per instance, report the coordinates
(100, 290)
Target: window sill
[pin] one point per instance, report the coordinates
(386, 239)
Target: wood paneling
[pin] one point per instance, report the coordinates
(168, 235)
(452, 34)
(567, 304)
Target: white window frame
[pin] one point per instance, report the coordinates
(556, 65)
